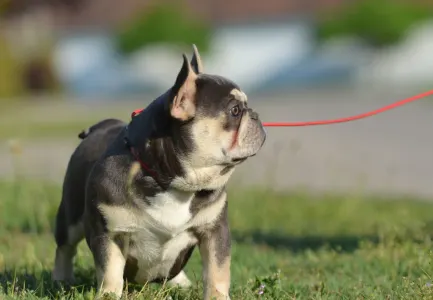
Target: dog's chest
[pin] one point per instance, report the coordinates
(171, 209)
(156, 246)
(158, 234)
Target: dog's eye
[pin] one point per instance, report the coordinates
(235, 111)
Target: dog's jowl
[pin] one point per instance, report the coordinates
(146, 193)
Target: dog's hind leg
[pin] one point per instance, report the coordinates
(67, 235)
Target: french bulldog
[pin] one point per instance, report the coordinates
(144, 194)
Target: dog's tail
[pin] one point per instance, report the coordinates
(100, 125)
(83, 134)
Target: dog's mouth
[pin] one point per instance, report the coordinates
(239, 160)
(234, 161)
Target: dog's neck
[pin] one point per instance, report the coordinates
(159, 144)
(149, 135)
(151, 123)
(205, 178)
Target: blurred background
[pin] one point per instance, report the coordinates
(66, 64)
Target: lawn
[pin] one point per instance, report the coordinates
(286, 246)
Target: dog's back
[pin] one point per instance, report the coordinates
(95, 141)
(104, 126)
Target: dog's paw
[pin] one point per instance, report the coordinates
(108, 296)
(62, 277)
(215, 295)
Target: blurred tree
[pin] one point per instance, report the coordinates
(38, 76)
(26, 44)
(378, 22)
(20, 77)
(10, 73)
(165, 21)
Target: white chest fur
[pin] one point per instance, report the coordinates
(157, 250)
(158, 231)
(171, 210)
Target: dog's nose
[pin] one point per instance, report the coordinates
(253, 114)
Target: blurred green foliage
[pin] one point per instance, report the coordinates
(378, 22)
(10, 73)
(163, 22)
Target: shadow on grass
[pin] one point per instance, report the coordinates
(302, 243)
(39, 283)
(23, 283)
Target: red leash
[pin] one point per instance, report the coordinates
(352, 118)
(340, 120)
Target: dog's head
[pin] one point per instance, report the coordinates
(209, 125)
(214, 117)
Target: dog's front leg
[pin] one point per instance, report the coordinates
(109, 264)
(215, 247)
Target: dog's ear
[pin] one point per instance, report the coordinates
(183, 105)
(196, 62)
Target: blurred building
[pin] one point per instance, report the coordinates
(264, 45)
(108, 14)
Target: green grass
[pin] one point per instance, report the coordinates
(299, 246)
